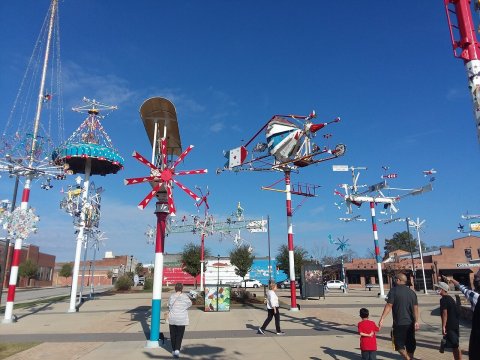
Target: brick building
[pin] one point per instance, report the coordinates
(460, 260)
(101, 271)
(45, 263)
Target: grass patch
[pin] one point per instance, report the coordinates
(9, 349)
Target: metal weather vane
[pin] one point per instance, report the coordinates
(163, 177)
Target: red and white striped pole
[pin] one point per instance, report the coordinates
(291, 258)
(12, 283)
(377, 250)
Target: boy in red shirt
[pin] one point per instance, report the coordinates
(368, 340)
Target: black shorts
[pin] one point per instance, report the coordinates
(452, 339)
(404, 338)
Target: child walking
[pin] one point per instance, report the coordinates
(368, 339)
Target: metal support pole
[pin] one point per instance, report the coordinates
(202, 260)
(162, 213)
(269, 257)
(411, 253)
(377, 250)
(291, 258)
(7, 241)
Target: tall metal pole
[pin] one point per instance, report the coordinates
(218, 276)
(407, 220)
(377, 250)
(417, 226)
(28, 179)
(80, 238)
(291, 258)
(7, 240)
(269, 257)
(162, 213)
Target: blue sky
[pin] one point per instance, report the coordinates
(387, 71)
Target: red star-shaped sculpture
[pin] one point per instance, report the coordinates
(164, 176)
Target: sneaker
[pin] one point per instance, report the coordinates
(280, 333)
(260, 331)
(442, 346)
(177, 353)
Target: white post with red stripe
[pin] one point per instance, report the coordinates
(80, 238)
(377, 250)
(291, 253)
(17, 250)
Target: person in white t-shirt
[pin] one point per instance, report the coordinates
(272, 309)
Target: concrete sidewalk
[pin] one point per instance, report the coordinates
(117, 327)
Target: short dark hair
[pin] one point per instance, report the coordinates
(178, 287)
(364, 313)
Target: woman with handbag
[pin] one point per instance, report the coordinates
(272, 309)
(178, 304)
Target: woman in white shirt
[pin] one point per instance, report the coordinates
(272, 308)
(178, 304)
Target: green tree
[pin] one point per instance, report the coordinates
(299, 257)
(400, 241)
(28, 269)
(191, 259)
(66, 271)
(242, 259)
(139, 269)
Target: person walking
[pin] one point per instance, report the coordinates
(368, 340)
(450, 321)
(272, 309)
(472, 296)
(403, 303)
(178, 303)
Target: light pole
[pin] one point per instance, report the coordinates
(131, 262)
(269, 258)
(417, 225)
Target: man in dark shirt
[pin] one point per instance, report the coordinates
(450, 323)
(403, 303)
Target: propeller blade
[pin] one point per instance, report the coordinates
(192, 172)
(182, 156)
(149, 197)
(140, 180)
(163, 149)
(144, 161)
(171, 204)
(187, 190)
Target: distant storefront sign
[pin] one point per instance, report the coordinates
(462, 265)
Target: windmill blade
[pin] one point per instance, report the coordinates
(144, 161)
(140, 180)
(182, 156)
(163, 149)
(149, 197)
(171, 204)
(192, 172)
(187, 190)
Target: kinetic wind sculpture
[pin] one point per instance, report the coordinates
(289, 146)
(160, 120)
(89, 151)
(342, 245)
(73, 205)
(374, 194)
(25, 152)
(473, 226)
(208, 226)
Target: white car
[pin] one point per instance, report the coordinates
(335, 284)
(249, 283)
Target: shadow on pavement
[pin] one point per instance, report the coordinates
(141, 314)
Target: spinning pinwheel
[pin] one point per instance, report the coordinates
(163, 177)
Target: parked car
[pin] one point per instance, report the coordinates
(285, 284)
(335, 284)
(248, 283)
